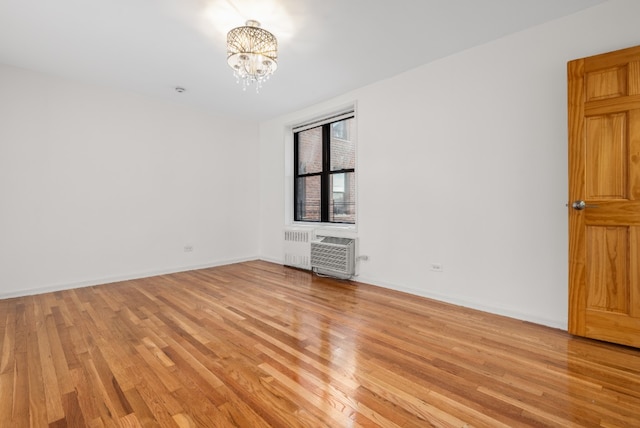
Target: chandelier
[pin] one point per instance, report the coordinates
(252, 53)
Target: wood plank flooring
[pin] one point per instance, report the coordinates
(261, 345)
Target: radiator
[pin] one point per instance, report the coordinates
(297, 247)
(333, 256)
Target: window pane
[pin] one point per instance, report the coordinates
(308, 198)
(343, 151)
(310, 151)
(342, 207)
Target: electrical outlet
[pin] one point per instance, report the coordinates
(363, 258)
(188, 248)
(437, 267)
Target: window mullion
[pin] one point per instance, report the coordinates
(342, 171)
(296, 190)
(326, 168)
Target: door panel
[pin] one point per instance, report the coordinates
(609, 83)
(606, 153)
(604, 171)
(607, 257)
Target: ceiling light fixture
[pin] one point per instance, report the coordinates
(252, 53)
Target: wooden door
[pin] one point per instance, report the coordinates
(604, 173)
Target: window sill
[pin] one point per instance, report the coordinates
(329, 227)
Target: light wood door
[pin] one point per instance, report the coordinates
(604, 173)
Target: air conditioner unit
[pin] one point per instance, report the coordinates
(334, 256)
(297, 247)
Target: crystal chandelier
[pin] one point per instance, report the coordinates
(252, 53)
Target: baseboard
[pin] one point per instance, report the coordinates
(560, 324)
(279, 261)
(137, 275)
(119, 278)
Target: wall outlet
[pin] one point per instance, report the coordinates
(363, 258)
(188, 248)
(436, 267)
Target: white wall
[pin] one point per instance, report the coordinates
(98, 185)
(463, 162)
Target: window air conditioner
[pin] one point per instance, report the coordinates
(333, 256)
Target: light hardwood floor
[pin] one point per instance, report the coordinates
(257, 344)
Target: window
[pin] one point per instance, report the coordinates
(325, 180)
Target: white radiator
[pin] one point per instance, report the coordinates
(297, 247)
(334, 256)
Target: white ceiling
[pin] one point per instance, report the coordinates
(327, 47)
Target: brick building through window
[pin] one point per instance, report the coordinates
(325, 181)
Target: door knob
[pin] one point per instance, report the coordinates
(580, 205)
